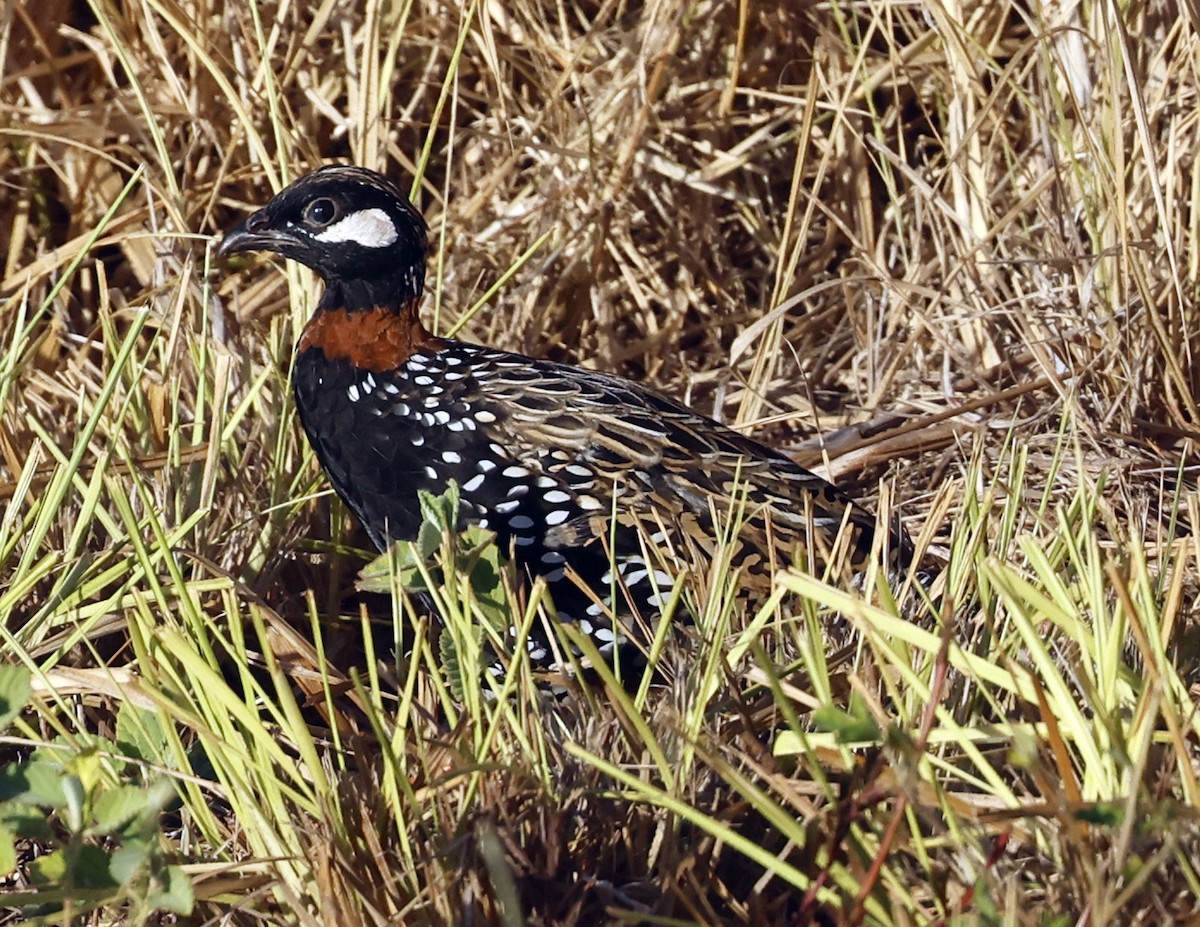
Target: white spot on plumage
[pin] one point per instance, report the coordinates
(515, 472)
(556, 496)
(483, 465)
(557, 517)
(423, 380)
(431, 473)
(603, 634)
(371, 228)
(474, 482)
(451, 457)
(589, 503)
(484, 416)
(441, 416)
(510, 506)
(555, 575)
(546, 482)
(524, 541)
(517, 490)
(520, 522)
(553, 558)
(352, 392)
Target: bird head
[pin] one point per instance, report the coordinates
(352, 226)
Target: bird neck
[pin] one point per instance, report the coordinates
(378, 339)
(399, 290)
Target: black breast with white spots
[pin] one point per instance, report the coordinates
(446, 415)
(382, 436)
(574, 471)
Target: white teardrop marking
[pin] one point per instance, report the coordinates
(371, 228)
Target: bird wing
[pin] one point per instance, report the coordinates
(681, 477)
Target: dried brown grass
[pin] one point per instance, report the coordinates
(899, 240)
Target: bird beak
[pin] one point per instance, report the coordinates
(254, 234)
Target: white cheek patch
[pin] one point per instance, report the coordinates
(371, 228)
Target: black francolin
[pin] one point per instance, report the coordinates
(575, 471)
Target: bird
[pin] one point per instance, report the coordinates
(598, 484)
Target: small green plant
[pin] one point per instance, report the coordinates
(99, 835)
(459, 571)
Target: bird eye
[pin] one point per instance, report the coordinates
(321, 211)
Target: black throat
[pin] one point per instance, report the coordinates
(400, 288)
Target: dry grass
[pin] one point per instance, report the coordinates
(952, 249)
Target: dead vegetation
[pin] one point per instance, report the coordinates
(947, 250)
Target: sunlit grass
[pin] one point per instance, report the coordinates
(953, 252)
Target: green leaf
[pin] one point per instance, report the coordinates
(176, 894)
(429, 539)
(89, 764)
(15, 692)
(8, 851)
(481, 560)
(439, 512)
(116, 807)
(89, 869)
(1106, 814)
(28, 825)
(141, 735)
(48, 870)
(128, 862)
(474, 553)
(72, 810)
(452, 664)
(159, 795)
(400, 562)
(849, 727)
(32, 783)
